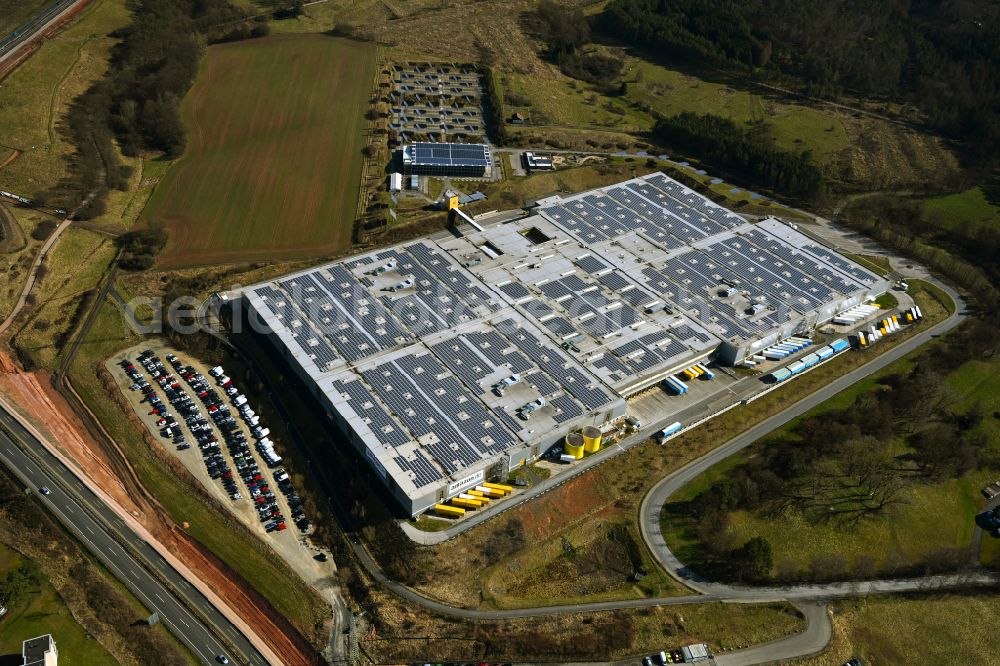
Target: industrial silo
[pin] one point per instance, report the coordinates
(591, 439)
(574, 445)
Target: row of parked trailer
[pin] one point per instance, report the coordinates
(809, 360)
(856, 314)
(676, 385)
(779, 351)
(472, 499)
(888, 326)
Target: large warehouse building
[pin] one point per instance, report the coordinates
(455, 358)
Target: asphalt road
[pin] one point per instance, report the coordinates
(48, 14)
(102, 532)
(654, 500)
(814, 639)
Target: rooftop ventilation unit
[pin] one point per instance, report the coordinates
(506, 383)
(525, 411)
(384, 268)
(405, 284)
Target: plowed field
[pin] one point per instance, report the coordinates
(273, 163)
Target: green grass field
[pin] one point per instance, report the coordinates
(933, 629)
(273, 162)
(878, 265)
(44, 612)
(74, 266)
(968, 210)
(793, 126)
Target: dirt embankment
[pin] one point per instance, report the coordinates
(33, 396)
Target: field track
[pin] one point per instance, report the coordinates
(275, 131)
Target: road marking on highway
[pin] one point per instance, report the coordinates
(87, 527)
(184, 623)
(157, 595)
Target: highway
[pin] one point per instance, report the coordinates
(48, 15)
(102, 532)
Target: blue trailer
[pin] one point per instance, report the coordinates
(670, 430)
(675, 385)
(839, 345)
(781, 374)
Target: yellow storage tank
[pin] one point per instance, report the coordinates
(574, 445)
(591, 439)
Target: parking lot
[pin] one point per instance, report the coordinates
(206, 423)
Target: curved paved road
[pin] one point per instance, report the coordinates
(653, 502)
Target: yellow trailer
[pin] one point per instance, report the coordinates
(895, 319)
(466, 503)
(489, 492)
(506, 490)
(449, 511)
(696, 370)
(909, 317)
(479, 495)
(687, 373)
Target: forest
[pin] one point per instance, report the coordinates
(565, 30)
(966, 256)
(749, 153)
(137, 103)
(942, 58)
